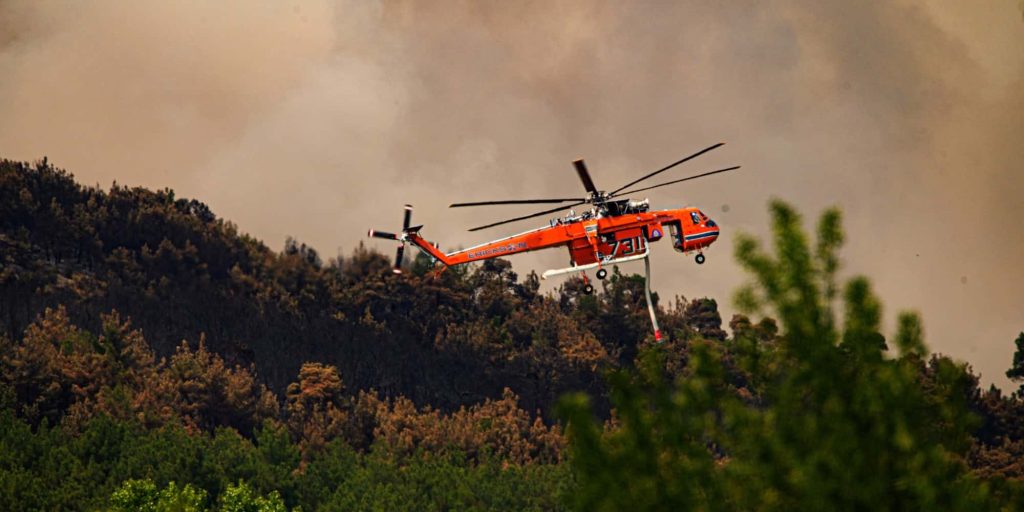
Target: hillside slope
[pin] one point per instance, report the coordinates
(177, 270)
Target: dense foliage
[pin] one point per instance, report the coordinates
(119, 464)
(179, 272)
(154, 358)
(831, 418)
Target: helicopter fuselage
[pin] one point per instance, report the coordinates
(614, 229)
(594, 239)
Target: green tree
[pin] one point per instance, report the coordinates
(135, 495)
(241, 498)
(839, 423)
(143, 496)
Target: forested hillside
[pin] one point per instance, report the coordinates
(180, 273)
(153, 357)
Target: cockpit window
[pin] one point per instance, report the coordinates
(696, 219)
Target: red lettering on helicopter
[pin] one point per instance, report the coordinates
(498, 250)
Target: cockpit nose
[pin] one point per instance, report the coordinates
(714, 229)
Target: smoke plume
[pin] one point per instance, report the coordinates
(320, 119)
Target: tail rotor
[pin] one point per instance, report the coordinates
(400, 252)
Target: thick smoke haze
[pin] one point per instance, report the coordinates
(320, 119)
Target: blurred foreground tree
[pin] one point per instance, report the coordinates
(840, 423)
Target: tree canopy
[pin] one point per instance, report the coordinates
(152, 357)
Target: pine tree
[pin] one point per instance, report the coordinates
(1016, 371)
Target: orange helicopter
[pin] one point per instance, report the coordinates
(610, 232)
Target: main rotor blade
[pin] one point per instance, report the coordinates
(524, 217)
(581, 170)
(516, 201)
(663, 169)
(680, 181)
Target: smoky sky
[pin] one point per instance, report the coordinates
(319, 120)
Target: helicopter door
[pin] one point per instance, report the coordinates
(675, 231)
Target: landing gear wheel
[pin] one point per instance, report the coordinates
(700, 259)
(588, 289)
(602, 273)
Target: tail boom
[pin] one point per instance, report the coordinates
(429, 248)
(540, 238)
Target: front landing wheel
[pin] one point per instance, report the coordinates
(700, 259)
(602, 273)
(588, 289)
